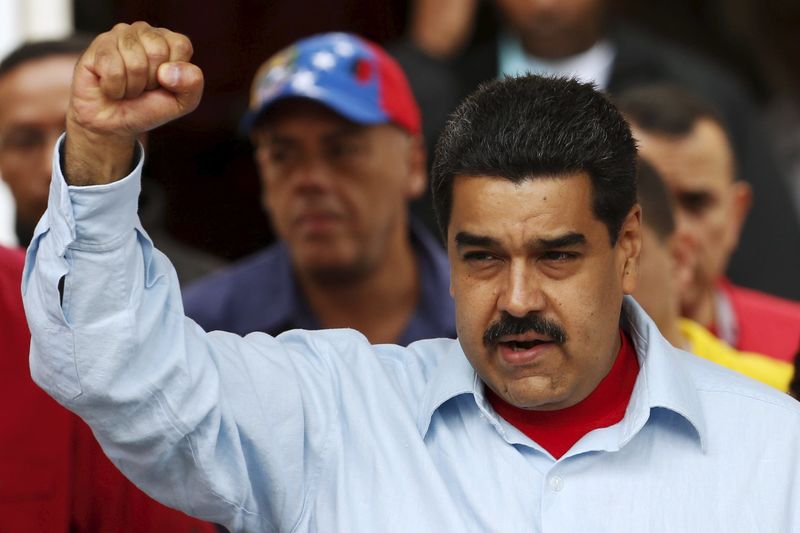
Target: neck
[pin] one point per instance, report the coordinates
(24, 231)
(379, 304)
(579, 40)
(702, 308)
(672, 332)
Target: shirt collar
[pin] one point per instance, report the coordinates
(592, 66)
(662, 381)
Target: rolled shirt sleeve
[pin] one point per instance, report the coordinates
(110, 342)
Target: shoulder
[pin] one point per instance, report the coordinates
(252, 285)
(744, 399)
(373, 369)
(249, 269)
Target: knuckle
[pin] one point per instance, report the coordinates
(156, 47)
(120, 26)
(183, 45)
(129, 41)
(141, 25)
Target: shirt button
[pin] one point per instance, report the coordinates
(556, 483)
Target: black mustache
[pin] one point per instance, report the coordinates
(512, 325)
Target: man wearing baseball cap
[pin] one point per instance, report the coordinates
(337, 140)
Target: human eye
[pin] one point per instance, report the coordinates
(275, 153)
(23, 139)
(478, 257)
(559, 256)
(344, 150)
(695, 203)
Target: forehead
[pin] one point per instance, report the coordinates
(37, 90)
(700, 160)
(516, 213)
(300, 114)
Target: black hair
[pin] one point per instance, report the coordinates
(73, 45)
(655, 199)
(667, 109)
(532, 126)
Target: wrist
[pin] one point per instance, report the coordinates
(91, 158)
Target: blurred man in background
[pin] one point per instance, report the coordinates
(666, 268)
(338, 145)
(581, 38)
(34, 95)
(684, 139)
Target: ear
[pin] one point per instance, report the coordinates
(629, 244)
(683, 249)
(418, 167)
(742, 199)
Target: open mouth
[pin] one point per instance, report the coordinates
(521, 346)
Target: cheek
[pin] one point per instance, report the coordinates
(592, 303)
(475, 302)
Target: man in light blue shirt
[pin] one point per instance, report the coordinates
(321, 431)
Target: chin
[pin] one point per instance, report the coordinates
(336, 272)
(535, 399)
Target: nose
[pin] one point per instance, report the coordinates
(686, 227)
(313, 175)
(522, 292)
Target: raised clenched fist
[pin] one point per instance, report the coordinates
(130, 80)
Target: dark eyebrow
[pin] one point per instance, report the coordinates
(562, 241)
(465, 238)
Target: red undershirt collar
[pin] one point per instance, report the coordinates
(558, 431)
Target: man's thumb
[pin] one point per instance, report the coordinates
(184, 80)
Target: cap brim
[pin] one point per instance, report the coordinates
(340, 103)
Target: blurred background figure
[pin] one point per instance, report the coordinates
(683, 138)
(582, 38)
(55, 478)
(666, 269)
(34, 93)
(340, 154)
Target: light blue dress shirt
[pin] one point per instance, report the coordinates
(321, 431)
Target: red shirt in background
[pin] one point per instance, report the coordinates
(753, 321)
(53, 475)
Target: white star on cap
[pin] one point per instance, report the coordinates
(323, 60)
(305, 82)
(344, 48)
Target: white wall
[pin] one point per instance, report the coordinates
(27, 20)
